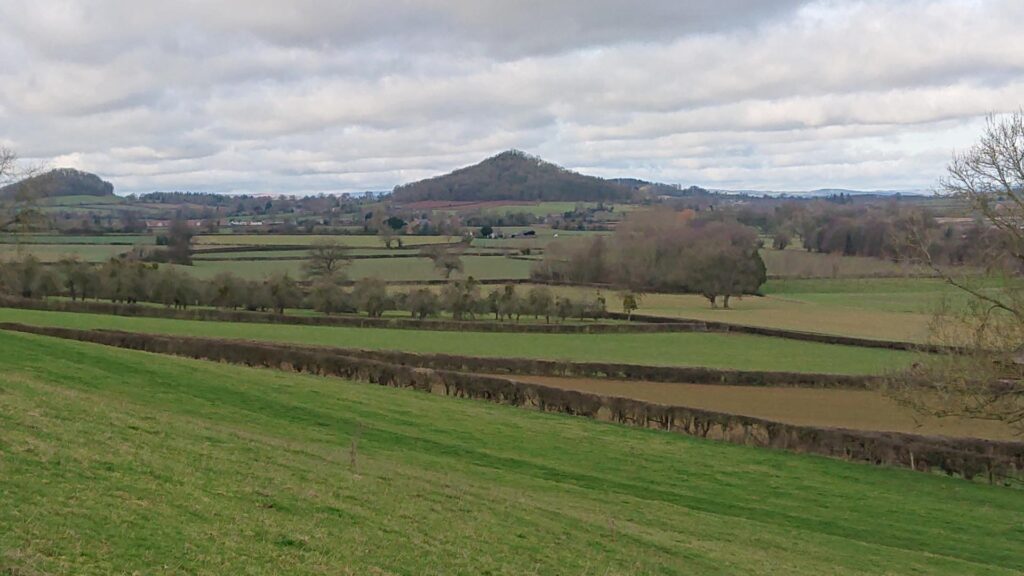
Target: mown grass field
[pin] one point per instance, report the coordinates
(116, 461)
(738, 351)
(821, 407)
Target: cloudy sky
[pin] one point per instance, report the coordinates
(305, 96)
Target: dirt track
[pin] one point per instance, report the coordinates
(855, 409)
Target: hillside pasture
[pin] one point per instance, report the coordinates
(82, 201)
(117, 461)
(712, 350)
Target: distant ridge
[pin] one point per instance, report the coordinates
(60, 182)
(513, 175)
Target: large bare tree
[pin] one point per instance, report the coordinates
(19, 208)
(983, 376)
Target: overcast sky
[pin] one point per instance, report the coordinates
(305, 96)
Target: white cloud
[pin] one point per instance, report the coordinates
(315, 95)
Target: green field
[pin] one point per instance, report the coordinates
(910, 295)
(82, 200)
(301, 254)
(116, 461)
(714, 350)
(796, 263)
(124, 239)
(361, 241)
(55, 252)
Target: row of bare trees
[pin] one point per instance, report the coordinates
(131, 281)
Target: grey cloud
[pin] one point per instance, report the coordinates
(316, 95)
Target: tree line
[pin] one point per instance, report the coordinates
(662, 252)
(131, 281)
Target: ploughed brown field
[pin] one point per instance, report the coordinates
(829, 407)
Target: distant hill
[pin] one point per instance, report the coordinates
(513, 175)
(60, 182)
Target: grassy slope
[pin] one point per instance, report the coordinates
(116, 461)
(673, 349)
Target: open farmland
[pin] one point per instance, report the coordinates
(823, 407)
(213, 468)
(713, 350)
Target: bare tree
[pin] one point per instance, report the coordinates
(326, 258)
(445, 261)
(983, 375)
(8, 165)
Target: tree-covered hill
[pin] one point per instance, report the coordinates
(513, 175)
(59, 182)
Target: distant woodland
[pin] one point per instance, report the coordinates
(513, 175)
(60, 182)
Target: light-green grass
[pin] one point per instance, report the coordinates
(907, 295)
(714, 350)
(121, 462)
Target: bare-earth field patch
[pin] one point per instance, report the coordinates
(820, 407)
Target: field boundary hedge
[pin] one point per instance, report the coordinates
(208, 314)
(403, 254)
(640, 324)
(716, 326)
(212, 248)
(966, 457)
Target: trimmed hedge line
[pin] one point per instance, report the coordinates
(403, 254)
(637, 372)
(715, 326)
(228, 249)
(965, 457)
(155, 311)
